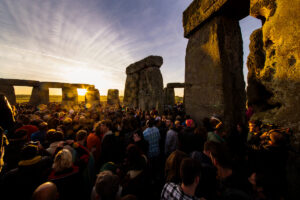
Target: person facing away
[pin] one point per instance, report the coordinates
(171, 143)
(190, 172)
(152, 135)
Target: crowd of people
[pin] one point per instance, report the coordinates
(111, 153)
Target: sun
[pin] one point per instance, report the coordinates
(81, 92)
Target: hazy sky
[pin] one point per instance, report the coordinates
(93, 41)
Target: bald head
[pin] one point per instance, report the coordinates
(46, 191)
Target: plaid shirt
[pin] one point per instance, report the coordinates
(171, 191)
(152, 135)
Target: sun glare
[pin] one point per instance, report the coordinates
(81, 92)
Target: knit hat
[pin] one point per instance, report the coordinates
(29, 151)
(189, 122)
(109, 166)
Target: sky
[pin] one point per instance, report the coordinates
(93, 41)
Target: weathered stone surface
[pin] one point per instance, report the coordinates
(39, 95)
(18, 82)
(280, 74)
(169, 96)
(9, 92)
(151, 89)
(69, 95)
(131, 93)
(150, 61)
(144, 84)
(175, 85)
(214, 73)
(113, 97)
(257, 95)
(202, 10)
(92, 98)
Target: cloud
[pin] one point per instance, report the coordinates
(90, 41)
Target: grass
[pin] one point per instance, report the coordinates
(57, 98)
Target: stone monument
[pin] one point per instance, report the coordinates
(144, 84)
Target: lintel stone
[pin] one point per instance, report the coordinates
(150, 61)
(200, 11)
(175, 85)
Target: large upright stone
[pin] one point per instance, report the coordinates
(280, 73)
(39, 95)
(113, 97)
(69, 95)
(214, 71)
(9, 92)
(144, 84)
(131, 93)
(92, 98)
(169, 94)
(151, 89)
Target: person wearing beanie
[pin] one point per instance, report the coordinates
(32, 171)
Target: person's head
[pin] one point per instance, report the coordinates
(220, 156)
(29, 151)
(62, 160)
(172, 166)
(209, 147)
(147, 117)
(46, 191)
(215, 122)
(43, 126)
(190, 171)
(177, 124)
(137, 135)
(19, 135)
(134, 158)
(150, 123)
(54, 136)
(189, 123)
(169, 123)
(107, 185)
(105, 126)
(81, 135)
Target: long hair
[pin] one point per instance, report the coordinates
(62, 160)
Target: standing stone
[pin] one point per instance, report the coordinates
(39, 95)
(92, 98)
(131, 93)
(113, 97)
(280, 75)
(169, 96)
(144, 84)
(69, 95)
(214, 72)
(151, 89)
(9, 92)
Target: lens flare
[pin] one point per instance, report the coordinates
(81, 92)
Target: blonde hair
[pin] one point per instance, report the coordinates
(62, 160)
